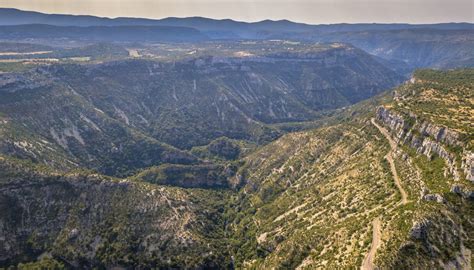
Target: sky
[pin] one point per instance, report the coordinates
(307, 11)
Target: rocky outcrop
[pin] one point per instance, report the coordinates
(434, 197)
(426, 138)
(440, 134)
(467, 165)
(430, 148)
(390, 119)
(419, 230)
(462, 191)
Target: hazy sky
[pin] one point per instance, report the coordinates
(309, 11)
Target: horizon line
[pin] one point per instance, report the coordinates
(229, 19)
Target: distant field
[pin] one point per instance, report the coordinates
(24, 53)
(22, 60)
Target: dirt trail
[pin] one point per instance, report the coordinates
(389, 158)
(368, 263)
(397, 179)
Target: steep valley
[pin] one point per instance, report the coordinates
(414, 48)
(311, 197)
(293, 159)
(96, 116)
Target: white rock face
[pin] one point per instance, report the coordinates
(122, 115)
(430, 143)
(434, 197)
(72, 131)
(468, 165)
(430, 148)
(90, 122)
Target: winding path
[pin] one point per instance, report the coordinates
(393, 146)
(368, 263)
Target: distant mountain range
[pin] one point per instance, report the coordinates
(217, 29)
(129, 33)
(404, 46)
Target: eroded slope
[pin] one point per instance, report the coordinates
(85, 220)
(390, 192)
(386, 183)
